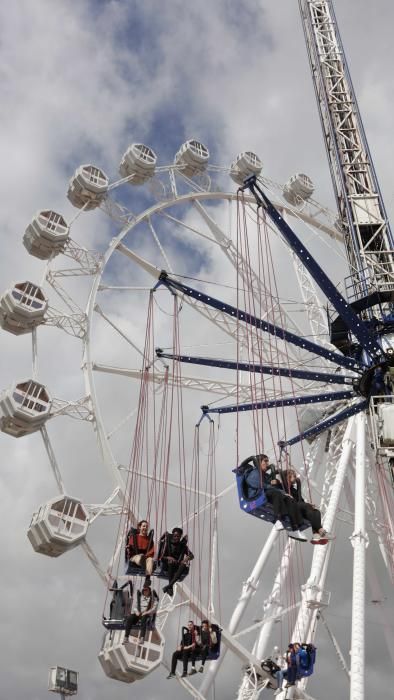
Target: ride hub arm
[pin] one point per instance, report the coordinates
(357, 327)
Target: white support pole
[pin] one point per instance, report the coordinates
(248, 689)
(214, 553)
(316, 580)
(52, 459)
(34, 348)
(359, 540)
(261, 644)
(336, 646)
(248, 590)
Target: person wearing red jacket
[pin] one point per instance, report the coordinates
(140, 548)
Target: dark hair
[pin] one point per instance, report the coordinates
(191, 622)
(177, 529)
(205, 622)
(260, 457)
(140, 523)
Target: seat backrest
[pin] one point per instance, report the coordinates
(307, 663)
(246, 488)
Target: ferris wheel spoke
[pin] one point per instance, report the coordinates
(336, 646)
(157, 242)
(113, 325)
(95, 562)
(214, 386)
(52, 459)
(188, 227)
(269, 618)
(121, 423)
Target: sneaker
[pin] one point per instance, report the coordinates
(278, 525)
(126, 640)
(318, 539)
(321, 538)
(141, 640)
(169, 590)
(297, 535)
(192, 671)
(201, 669)
(184, 675)
(278, 691)
(171, 675)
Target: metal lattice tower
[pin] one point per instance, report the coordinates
(368, 237)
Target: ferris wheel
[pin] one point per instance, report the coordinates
(191, 206)
(191, 255)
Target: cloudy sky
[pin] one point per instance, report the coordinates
(80, 81)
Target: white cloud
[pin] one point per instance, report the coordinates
(79, 81)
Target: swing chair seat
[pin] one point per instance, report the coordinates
(259, 506)
(120, 624)
(214, 651)
(111, 624)
(308, 670)
(159, 571)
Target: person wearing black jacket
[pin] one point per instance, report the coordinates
(260, 474)
(206, 639)
(185, 649)
(292, 485)
(175, 556)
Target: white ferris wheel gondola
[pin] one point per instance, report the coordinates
(88, 187)
(46, 235)
(24, 408)
(138, 163)
(246, 164)
(193, 156)
(22, 308)
(298, 189)
(58, 526)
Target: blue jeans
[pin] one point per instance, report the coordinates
(289, 673)
(279, 676)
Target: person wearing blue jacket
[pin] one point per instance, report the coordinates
(260, 474)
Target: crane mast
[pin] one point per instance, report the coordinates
(368, 237)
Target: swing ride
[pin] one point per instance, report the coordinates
(217, 257)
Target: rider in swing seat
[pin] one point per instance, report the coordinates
(292, 485)
(263, 475)
(174, 557)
